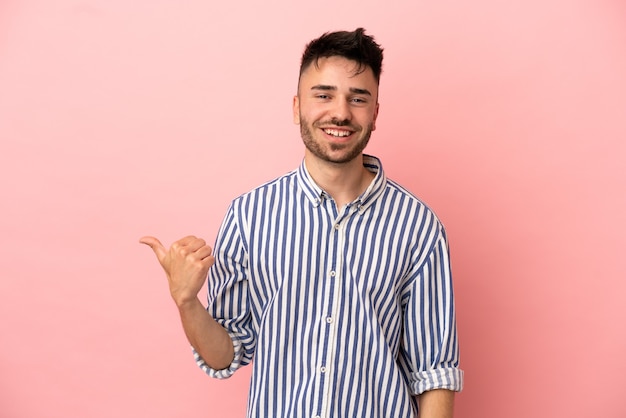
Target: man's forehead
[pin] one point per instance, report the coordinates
(360, 72)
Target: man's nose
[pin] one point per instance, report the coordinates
(341, 112)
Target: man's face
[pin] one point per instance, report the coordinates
(336, 109)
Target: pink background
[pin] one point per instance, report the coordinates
(125, 118)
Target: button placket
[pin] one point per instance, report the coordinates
(335, 251)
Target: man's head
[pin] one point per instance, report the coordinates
(337, 101)
(355, 46)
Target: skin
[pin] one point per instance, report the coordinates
(333, 96)
(186, 264)
(438, 403)
(336, 108)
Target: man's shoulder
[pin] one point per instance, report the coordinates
(396, 188)
(418, 205)
(285, 180)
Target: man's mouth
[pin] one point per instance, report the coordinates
(337, 133)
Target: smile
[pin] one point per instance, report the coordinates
(337, 133)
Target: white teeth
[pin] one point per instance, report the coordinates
(337, 133)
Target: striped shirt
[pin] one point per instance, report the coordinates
(347, 312)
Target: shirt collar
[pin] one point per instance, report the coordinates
(316, 194)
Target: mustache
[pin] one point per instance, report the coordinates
(338, 122)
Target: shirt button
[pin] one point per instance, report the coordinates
(332, 274)
(329, 320)
(337, 226)
(323, 369)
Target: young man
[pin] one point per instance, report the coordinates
(333, 278)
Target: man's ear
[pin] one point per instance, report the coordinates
(296, 110)
(375, 117)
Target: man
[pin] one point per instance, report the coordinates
(332, 277)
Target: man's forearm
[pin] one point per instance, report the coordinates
(206, 336)
(438, 403)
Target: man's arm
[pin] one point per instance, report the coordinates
(186, 264)
(437, 403)
(431, 351)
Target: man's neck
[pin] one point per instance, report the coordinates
(343, 182)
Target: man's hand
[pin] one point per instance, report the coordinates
(186, 264)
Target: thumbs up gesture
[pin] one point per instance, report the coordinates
(186, 264)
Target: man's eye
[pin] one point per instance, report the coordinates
(358, 100)
(322, 96)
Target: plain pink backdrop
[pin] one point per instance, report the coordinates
(120, 119)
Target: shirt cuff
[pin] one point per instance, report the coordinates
(444, 378)
(228, 371)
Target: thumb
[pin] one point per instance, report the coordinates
(156, 246)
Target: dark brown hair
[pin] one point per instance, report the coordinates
(355, 46)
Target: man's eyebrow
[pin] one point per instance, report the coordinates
(355, 90)
(323, 87)
(360, 91)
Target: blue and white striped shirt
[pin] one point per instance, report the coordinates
(347, 312)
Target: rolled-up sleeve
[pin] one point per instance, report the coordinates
(228, 296)
(429, 353)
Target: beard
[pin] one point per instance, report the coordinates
(334, 153)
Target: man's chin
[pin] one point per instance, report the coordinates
(341, 156)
